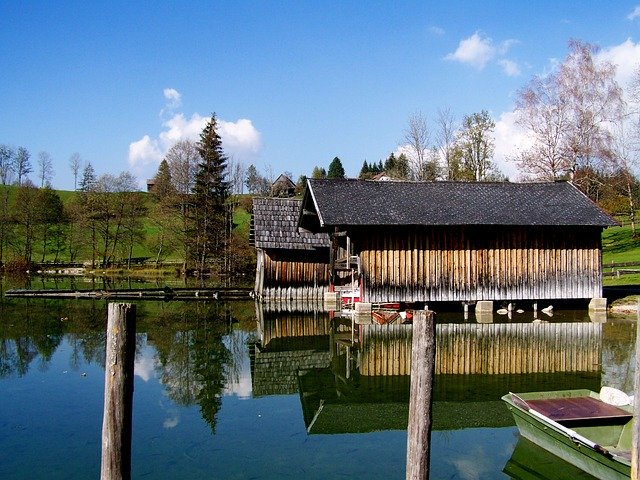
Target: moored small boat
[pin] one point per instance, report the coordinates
(579, 427)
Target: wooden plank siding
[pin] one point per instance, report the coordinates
(470, 263)
(493, 349)
(291, 325)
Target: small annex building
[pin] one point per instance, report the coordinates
(460, 241)
(290, 265)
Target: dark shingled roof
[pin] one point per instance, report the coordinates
(275, 225)
(361, 202)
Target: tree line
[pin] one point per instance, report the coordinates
(580, 125)
(188, 215)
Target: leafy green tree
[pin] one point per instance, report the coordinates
(49, 216)
(301, 184)
(477, 145)
(166, 213)
(256, 183)
(25, 218)
(336, 170)
(318, 172)
(210, 194)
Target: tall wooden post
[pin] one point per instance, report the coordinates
(635, 451)
(423, 361)
(118, 392)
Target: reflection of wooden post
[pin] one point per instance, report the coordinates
(118, 392)
(423, 359)
(635, 454)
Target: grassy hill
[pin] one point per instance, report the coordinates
(620, 245)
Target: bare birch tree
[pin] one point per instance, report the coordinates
(22, 164)
(416, 140)
(445, 141)
(75, 163)
(45, 169)
(568, 114)
(183, 160)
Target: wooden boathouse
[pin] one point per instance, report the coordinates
(290, 265)
(459, 241)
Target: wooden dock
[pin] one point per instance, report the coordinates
(166, 293)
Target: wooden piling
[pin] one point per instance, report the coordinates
(423, 359)
(118, 392)
(635, 451)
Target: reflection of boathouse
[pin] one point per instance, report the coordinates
(460, 241)
(289, 342)
(495, 349)
(290, 265)
(367, 387)
(355, 378)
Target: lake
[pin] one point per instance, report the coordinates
(237, 391)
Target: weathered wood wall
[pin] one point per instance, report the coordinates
(292, 274)
(463, 263)
(487, 348)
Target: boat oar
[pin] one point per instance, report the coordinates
(576, 437)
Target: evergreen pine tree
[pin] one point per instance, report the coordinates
(162, 185)
(336, 169)
(88, 180)
(211, 191)
(364, 171)
(390, 163)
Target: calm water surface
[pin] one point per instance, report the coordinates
(229, 391)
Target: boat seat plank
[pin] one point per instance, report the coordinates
(573, 409)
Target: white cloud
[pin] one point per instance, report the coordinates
(171, 422)
(506, 45)
(437, 31)
(174, 97)
(144, 152)
(508, 138)
(240, 140)
(626, 57)
(178, 127)
(509, 67)
(240, 387)
(635, 13)
(473, 465)
(478, 51)
(144, 366)
(475, 51)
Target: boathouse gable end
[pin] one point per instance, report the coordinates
(455, 241)
(290, 264)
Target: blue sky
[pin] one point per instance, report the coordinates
(293, 84)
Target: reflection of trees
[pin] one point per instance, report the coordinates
(16, 355)
(32, 330)
(192, 358)
(192, 361)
